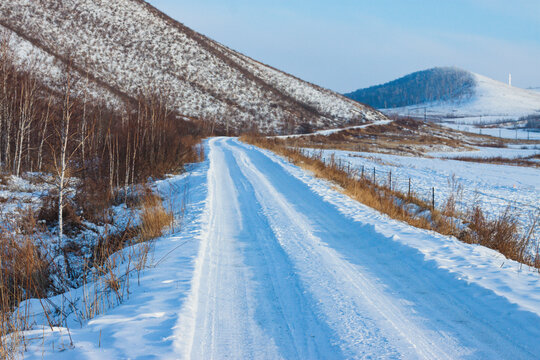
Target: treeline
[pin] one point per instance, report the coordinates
(531, 121)
(437, 84)
(66, 133)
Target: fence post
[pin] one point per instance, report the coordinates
(390, 179)
(362, 172)
(433, 198)
(374, 176)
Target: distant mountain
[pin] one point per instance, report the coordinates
(451, 94)
(127, 47)
(437, 84)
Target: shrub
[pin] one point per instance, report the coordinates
(48, 214)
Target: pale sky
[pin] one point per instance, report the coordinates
(349, 44)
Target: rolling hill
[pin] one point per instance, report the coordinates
(451, 94)
(127, 48)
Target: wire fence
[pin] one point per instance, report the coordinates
(380, 178)
(409, 188)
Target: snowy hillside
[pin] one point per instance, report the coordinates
(492, 101)
(452, 94)
(127, 48)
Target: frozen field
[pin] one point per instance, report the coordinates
(511, 152)
(494, 187)
(522, 134)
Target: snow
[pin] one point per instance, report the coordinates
(24, 196)
(511, 152)
(144, 322)
(18, 193)
(273, 263)
(505, 133)
(492, 101)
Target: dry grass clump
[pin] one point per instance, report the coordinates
(501, 234)
(154, 218)
(24, 273)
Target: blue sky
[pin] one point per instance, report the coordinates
(348, 44)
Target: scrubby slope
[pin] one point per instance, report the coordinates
(127, 47)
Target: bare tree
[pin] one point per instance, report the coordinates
(44, 133)
(25, 119)
(5, 108)
(63, 133)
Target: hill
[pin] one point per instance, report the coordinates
(127, 47)
(451, 94)
(437, 84)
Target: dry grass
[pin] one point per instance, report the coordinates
(501, 234)
(24, 272)
(404, 136)
(498, 160)
(154, 218)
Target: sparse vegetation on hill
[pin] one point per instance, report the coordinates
(127, 47)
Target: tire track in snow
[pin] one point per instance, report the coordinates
(245, 300)
(438, 314)
(347, 296)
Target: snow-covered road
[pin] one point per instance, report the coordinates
(287, 267)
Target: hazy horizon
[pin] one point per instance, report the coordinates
(358, 44)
